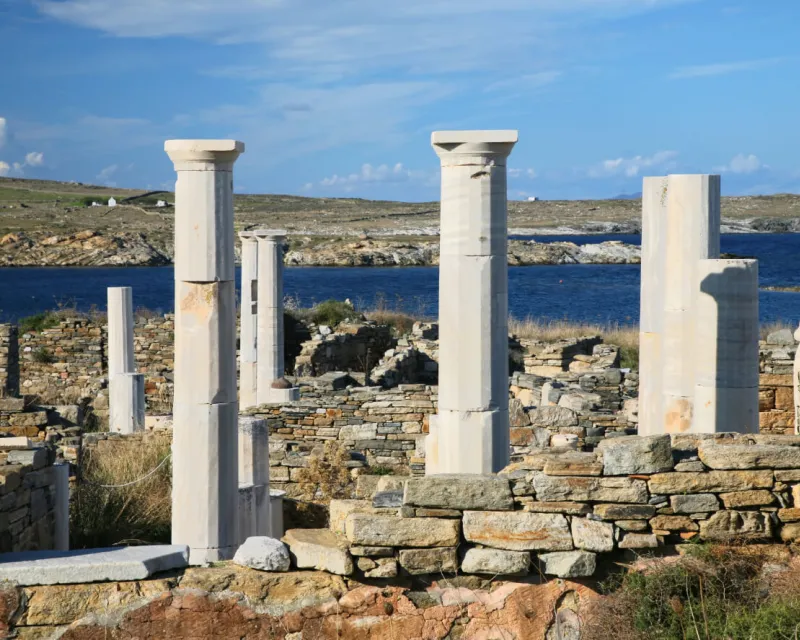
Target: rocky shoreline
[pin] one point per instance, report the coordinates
(94, 249)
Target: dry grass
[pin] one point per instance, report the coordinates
(135, 514)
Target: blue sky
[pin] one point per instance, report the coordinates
(338, 97)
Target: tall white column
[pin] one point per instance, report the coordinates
(125, 386)
(205, 425)
(651, 316)
(272, 386)
(726, 347)
(248, 356)
(255, 517)
(692, 234)
(120, 331)
(471, 431)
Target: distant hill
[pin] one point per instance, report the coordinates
(628, 196)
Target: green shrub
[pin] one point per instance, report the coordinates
(43, 356)
(39, 322)
(332, 312)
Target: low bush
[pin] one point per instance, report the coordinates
(714, 593)
(103, 514)
(39, 321)
(333, 312)
(43, 356)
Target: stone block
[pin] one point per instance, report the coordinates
(694, 503)
(569, 564)
(366, 485)
(592, 535)
(553, 417)
(387, 499)
(319, 549)
(462, 492)
(790, 532)
(384, 568)
(752, 498)
(639, 541)
(93, 565)
(713, 481)
(725, 526)
(429, 561)
(624, 511)
(35, 458)
(576, 464)
(518, 531)
(636, 454)
(784, 399)
(388, 531)
(673, 523)
(753, 456)
(372, 552)
(566, 508)
(789, 515)
(496, 562)
(264, 554)
(390, 483)
(579, 489)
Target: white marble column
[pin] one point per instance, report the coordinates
(471, 431)
(272, 386)
(726, 347)
(651, 316)
(205, 413)
(255, 517)
(692, 234)
(248, 356)
(125, 386)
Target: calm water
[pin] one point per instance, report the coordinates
(578, 292)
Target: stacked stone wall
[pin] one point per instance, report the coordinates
(353, 347)
(9, 361)
(776, 391)
(27, 499)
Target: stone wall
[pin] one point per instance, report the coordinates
(27, 499)
(353, 347)
(776, 392)
(9, 361)
(566, 513)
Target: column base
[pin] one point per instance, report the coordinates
(473, 442)
(279, 396)
(199, 557)
(255, 516)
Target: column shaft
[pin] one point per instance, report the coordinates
(651, 317)
(248, 356)
(205, 425)
(693, 220)
(120, 331)
(472, 424)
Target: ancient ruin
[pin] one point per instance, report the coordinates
(248, 351)
(125, 384)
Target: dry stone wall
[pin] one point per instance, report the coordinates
(776, 391)
(9, 361)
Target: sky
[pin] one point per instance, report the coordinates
(338, 98)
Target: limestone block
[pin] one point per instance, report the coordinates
(744, 456)
(319, 549)
(127, 403)
(372, 552)
(587, 465)
(636, 454)
(386, 531)
(464, 492)
(263, 553)
(753, 498)
(496, 562)
(391, 483)
(592, 535)
(553, 417)
(713, 481)
(673, 523)
(473, 309)
(697, 503)
(789, 514)
(517, 531)
(120, 331)
(566, 440)
(472, 442)
(578, 489)
(429, 561)
(92, 565)
(569, 564)
(34, 458)
(624, 511)
(725, 526)
(639, 541)
(385, 568)
(340, 509)
(204, 480)
(205, 343)
(387, 499)
(566, 508)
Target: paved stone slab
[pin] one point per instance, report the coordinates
(713, 481)
(29, 568)
(465, 492)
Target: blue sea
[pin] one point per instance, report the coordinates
(597, 293)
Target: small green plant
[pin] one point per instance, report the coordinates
(381, 470)
(333, 312)
(39, 322)
(43, 356)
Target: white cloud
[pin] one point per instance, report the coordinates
(4, 168)
(526, 82)
(382, 174)
(34, 159)
(107, 172)
(724, 68)
(632, 167)
(519, 173)
(742, 164)
(3, 134)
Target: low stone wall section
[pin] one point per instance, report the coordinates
(776, 390)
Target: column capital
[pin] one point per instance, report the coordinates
(246, 236)
(474, 143)
(190, 155)
(274, 235)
